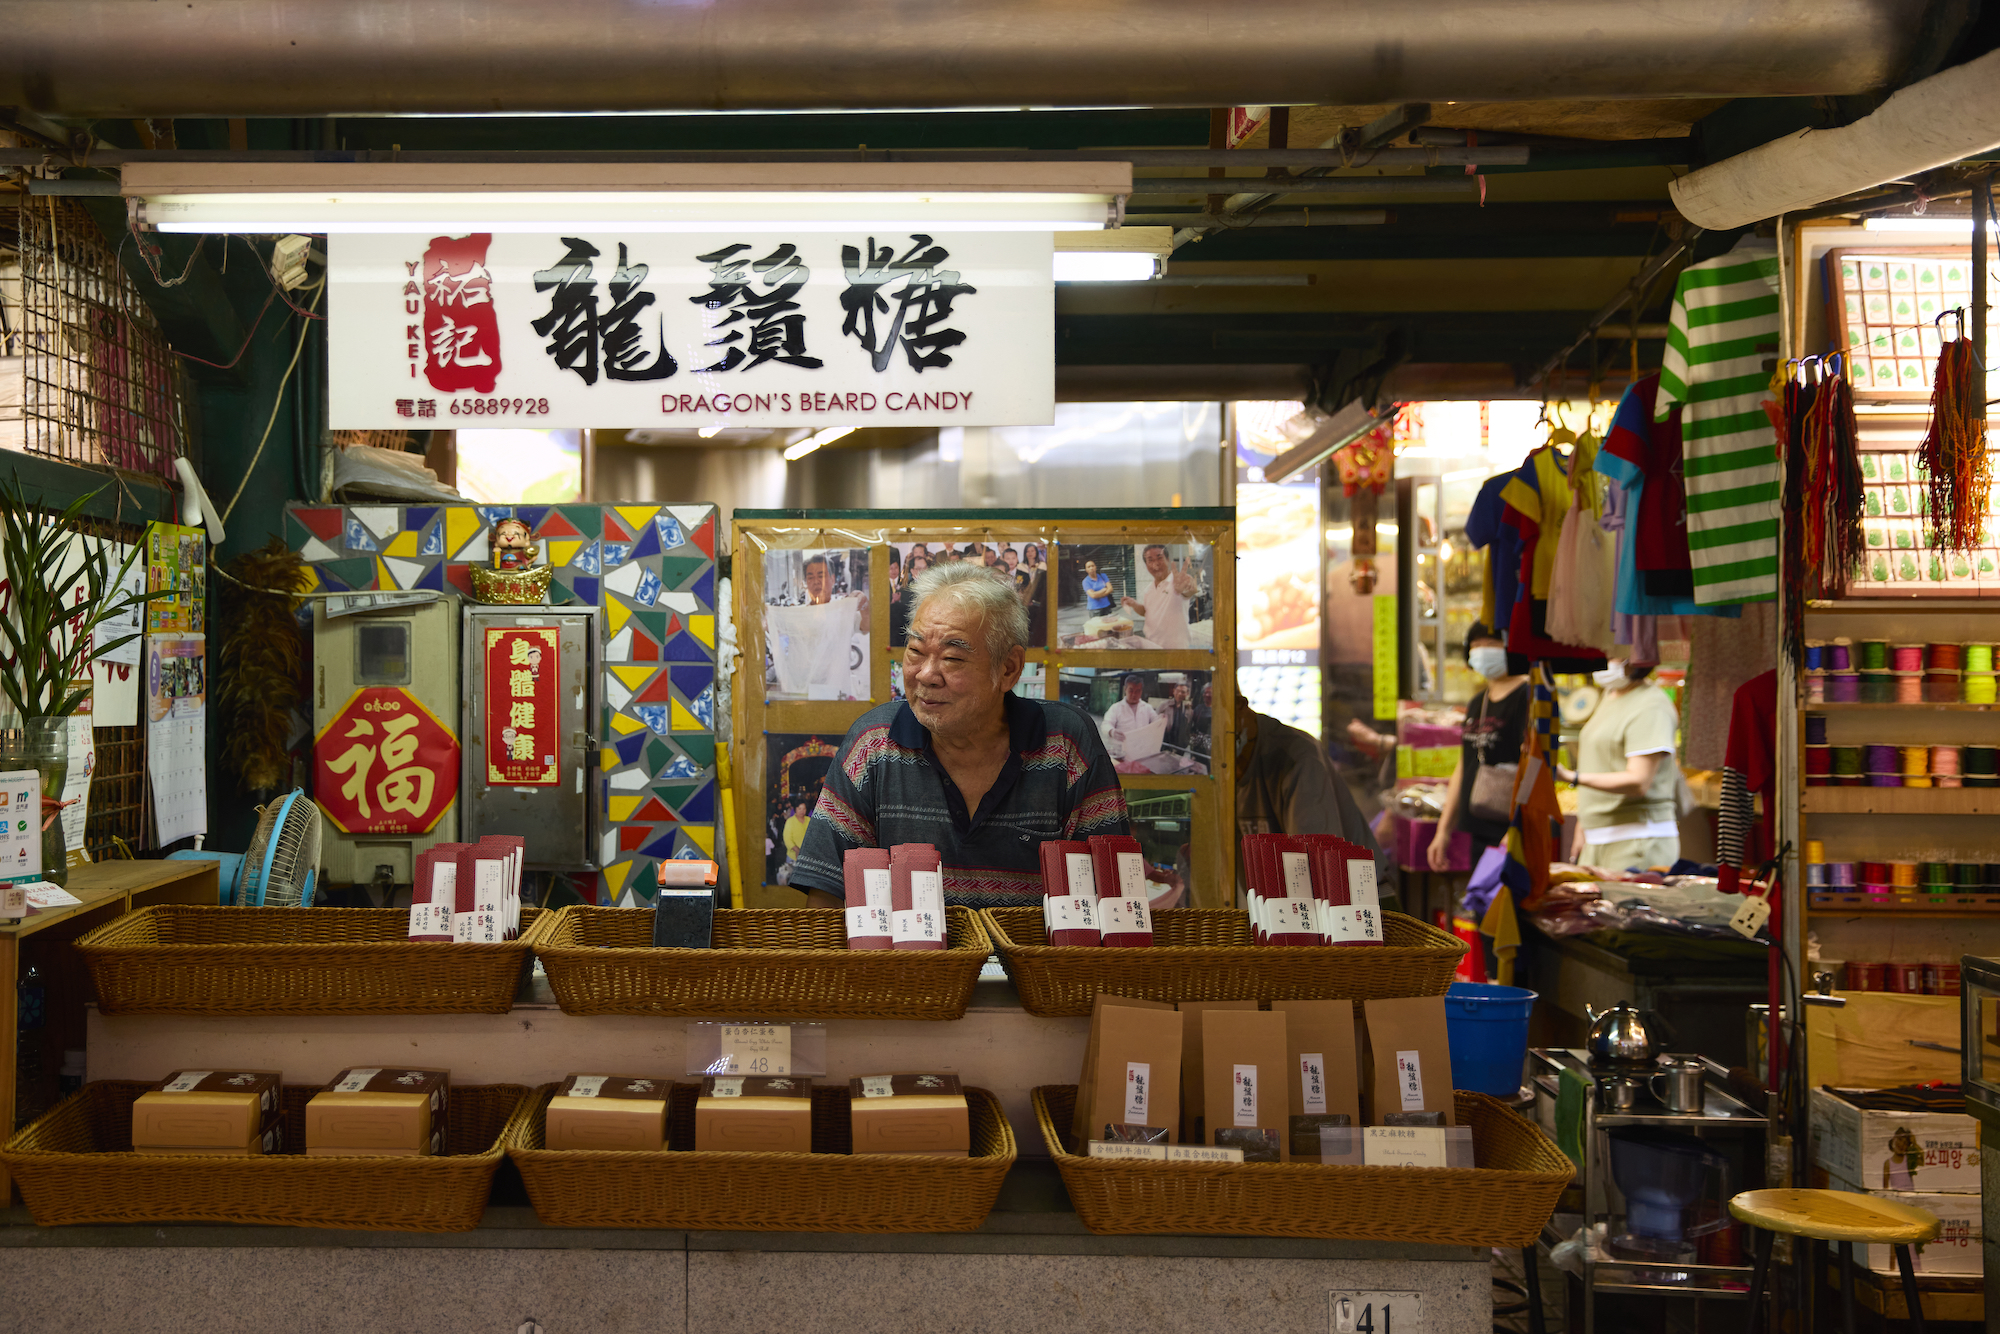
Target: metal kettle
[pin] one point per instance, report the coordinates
(1620, 1035)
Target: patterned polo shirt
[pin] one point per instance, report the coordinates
(886, 787)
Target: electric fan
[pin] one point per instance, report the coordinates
(283, 860)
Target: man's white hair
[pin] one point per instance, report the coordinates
(976, 589)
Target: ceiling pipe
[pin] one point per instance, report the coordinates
(239, 58)
(1940, 120)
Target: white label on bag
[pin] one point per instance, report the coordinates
(915, 924)
(1410, 1080)
(444, 883)
(1067, 912)
(1124, 917)
(586, 1086)
(1312, 1080)
(1404, 1146)
(185, 1081)
(1292, 916)
(1361, 891)
(726, 1088)
(1132, 875)
(1138, 1085)
(356, 1081)
(1243, 1104)
(1202, 1153)
(927, 892)
(875, 888)
(430, 919)
(1298, 875)
(1344, 925)
(1082, 880)
(878, 1086)
(868, 921)
(463, 926)
(1111, 1148)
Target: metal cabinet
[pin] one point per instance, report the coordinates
(530, 706)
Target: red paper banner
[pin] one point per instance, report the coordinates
(385, 765)
(522, 725)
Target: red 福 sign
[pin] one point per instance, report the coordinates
(385, 765)
(522, 738)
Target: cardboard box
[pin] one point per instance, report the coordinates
(1894, 1151)
(376, 1112)
(1193, 1101)
(1322, 1064)
(1243, 1076)
(1135, 1072)
(1086, 1082)
(754, 1114)
(904, 1114)
(608, 1112)
(1960, 1240)
(1408, 1065)
(220, 1111)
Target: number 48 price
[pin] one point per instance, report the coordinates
(1377, 1313)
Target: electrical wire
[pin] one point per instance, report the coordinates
(276, 403)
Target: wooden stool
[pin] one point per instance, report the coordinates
(1838, 1216)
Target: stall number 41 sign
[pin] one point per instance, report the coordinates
(1377, 1313)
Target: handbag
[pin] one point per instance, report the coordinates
(1492, 795)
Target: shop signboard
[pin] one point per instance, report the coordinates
(758, 329)
(522, 745)
(385, 765)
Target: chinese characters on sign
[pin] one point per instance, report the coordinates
(811, 329)
(522, 742)
(385, 765)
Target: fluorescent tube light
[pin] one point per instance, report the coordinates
(815, 440)
(1961, 226)
(1105, 266)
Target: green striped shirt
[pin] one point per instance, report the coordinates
(1723, 328)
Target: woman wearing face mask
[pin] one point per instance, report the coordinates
(1626, 805)
(1496, 724)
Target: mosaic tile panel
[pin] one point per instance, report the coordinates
(651, 569)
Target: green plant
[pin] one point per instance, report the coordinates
(60, 589)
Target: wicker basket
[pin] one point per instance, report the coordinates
(1503, 1202)
(827, 1190)
(75, 1165)
(1201, 954)
(768, 963)
(181, 959)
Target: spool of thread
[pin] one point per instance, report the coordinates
(1839, 656)
(1993, 877)
(1905, 658)
(1946, 780)
(1880, 688)
(1916, 759)
(1815, 689)
(1886, 780)
(1844, 688)
(1816, 874)
(1978, 658)
(1944, 760)
(1819, 761)
(1983, 760)
(1815, 655)
(1943, 657)
(1873, 655)
(1909, 690)
(1849, 760)
(1980, 780)
(1815, 729)
(1903, 875)
(1934, 873)
(1884, 760)
(1815, 850)
(1916, 780)
(1968, 876)
(1877, 891)
(1840, 874)
(1979, 688)
(1875, 873)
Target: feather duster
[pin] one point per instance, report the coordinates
(258, 682)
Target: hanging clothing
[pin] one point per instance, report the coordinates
(1540, 486)
(1721, 333)
(1485, 529)
(1640, 454)
(1749, 769)
(1722, 655)
(1581, 590)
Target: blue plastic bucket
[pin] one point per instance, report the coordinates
(1488, 1027)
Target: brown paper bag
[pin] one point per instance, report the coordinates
(1243, 1077)
(1138, 1072)
(1323, 1071)
(1192, 1073)
(1086, 1082)
(1409, 1059)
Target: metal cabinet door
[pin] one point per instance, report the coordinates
(559, 818)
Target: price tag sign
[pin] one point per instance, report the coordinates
(1377, 1313)
(755, 1049)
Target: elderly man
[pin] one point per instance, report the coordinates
(1131, 712)
(1165, 604)
(963, 763)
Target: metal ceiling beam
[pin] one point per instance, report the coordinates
(116, 58)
